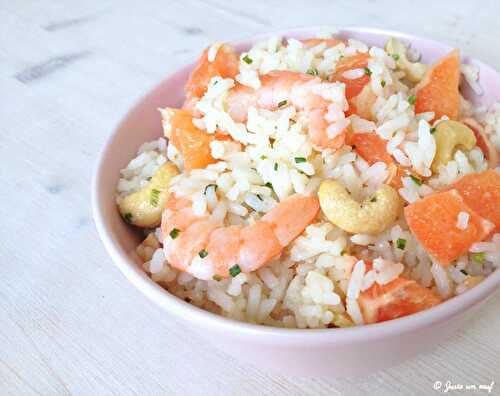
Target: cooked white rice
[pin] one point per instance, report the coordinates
(315, 283)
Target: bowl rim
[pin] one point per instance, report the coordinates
(190, 313)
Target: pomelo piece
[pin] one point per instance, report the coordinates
(193, 143)
(438, 91)
(313, 42)
(433, 221)
(398, 298)
(481, 192)
(225, 65)
(352, 86)
(372, 148)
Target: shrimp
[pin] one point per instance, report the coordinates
(304, 92)
(201, 247)
(225, 64)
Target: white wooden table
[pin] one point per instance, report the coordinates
(70, 323)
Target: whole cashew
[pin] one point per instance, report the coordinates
(143, 208)
(414, 71)
(372, 216)
(449, 136)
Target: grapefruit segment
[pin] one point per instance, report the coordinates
(398, 298)
(372, 148)
(481, 192)
(352, 86)
(193, 143)
(225, 65)
(433, 221)
(438, 91)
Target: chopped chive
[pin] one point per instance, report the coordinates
(203, 253)
(374, 199)
(313, 71)
(247, 59)
(275, 166)
(464, 272)
(368, 72)
(382, 83)
(208, 186)
(412, 99)
(395, 57)
(299, 160)
(270, 185)
(216, 82)
(174, 233)
(433, 129)
(479, 257)
(401, 243)
(234, 270)
(149, 178)
(217, 278)
(416, 180)
(282, 103)
(263, 157)
(154, 198)
(128, 217)
(259, 196)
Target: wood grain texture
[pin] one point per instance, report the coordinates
(70, 322)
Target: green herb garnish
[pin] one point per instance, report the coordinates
(313, 71)
(416, 180)
(259, 196)
(395, 57)
(464, 272)
(368, 72)
(282, 103)
(373, 199)
(401, 243)
(208, 186)
(154, 198)
(433, 129)
(234, 270)
(275, 166)
(382, 83)
(174, 233)
(203, 253)
(247, 60)
(269, 184)
(299, 160)
(128, 217)
(412, 99)
(479, 257)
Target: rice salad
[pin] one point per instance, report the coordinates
(319, 183)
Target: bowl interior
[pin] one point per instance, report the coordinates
(143, 124)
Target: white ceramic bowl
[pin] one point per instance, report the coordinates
(326, 352)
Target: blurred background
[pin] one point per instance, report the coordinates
(69, 70)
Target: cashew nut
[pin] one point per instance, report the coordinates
(372, 216)
(449, 136)
(414, 71)
(490, 152)
(143, 208)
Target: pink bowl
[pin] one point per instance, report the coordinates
(326, 352)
